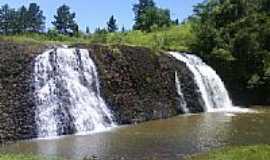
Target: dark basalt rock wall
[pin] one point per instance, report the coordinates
(16, 99)
(137, 84)
(189, 88)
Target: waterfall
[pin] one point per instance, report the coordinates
(67, 95)
(211, 87)
(183, 103)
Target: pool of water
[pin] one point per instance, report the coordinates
(163, 139)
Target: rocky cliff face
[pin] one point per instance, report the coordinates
(189, 88)
(16, 100)
(137, 84)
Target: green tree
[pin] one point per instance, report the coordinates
(8, 19)
(87, 30)
(176, 21)
(64, 21)
(265, 6)
(111, 25)
(75, 30)
(236, 33)
(23, 21)
(155, 17)
(35, 19)
(101, 31)
(123, 29)
(139, 9)
(148, 15)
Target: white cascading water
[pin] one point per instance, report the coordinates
(182, 100)
(67, 94)
(211, 87)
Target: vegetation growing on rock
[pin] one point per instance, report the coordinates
(233, 36)
(25, 157)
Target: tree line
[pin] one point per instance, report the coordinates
(31, 19)
(237, 33)
(24, 19)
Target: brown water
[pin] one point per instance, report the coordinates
(165, 139)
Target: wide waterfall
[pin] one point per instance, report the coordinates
(67, 94)
(211, 87)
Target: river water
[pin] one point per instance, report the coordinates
(163, 139)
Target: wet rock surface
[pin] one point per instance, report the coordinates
(16, 98)
(137, 84)
(189, 87)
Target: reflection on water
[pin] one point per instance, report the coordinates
(165, 139)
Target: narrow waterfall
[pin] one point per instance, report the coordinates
(67, 94)
(183, 103)
(211, 87)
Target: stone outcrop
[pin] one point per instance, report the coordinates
(137, 83)
(16, 99)
(189, 87)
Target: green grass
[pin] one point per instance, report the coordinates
(35, 38)
(260, 152)
(35, 157)
(25, 157)
(175, 38)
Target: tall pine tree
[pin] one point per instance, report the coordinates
(64, 21)
(140, 9)
(35, 18)
(87, 30)
(123, 29)
(147, 15)
(7, 19)
(111, 25)
(23, 21)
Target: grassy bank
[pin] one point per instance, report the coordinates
(25, 157)
(172, 38)
(261, 152)
(34, 157)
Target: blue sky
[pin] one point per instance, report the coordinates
(95, 13)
